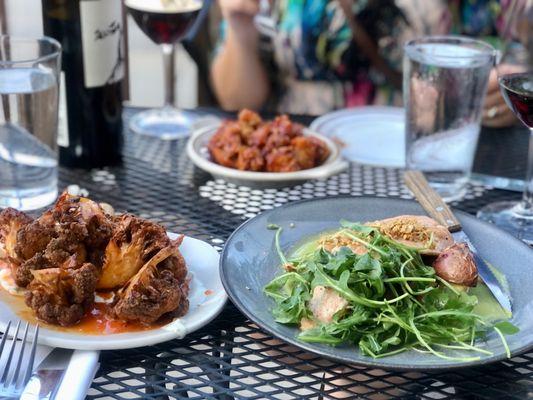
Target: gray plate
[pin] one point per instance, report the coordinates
(249, 262)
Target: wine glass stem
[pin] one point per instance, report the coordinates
(169, 71)
(527, 199)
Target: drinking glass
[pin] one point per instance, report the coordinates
(29, 95)
(444, 83)
(517, 90)
(165, 22)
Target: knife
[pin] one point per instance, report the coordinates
(430, 200)
(45, 380)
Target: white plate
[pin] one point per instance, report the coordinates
(199, 155)
(372, 135)
(202, 263)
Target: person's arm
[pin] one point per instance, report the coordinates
(239, 77)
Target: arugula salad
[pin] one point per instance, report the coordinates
(385, 293)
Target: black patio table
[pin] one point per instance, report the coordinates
(231, 358)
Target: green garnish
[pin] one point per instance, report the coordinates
(392, 301)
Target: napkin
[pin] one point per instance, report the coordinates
(79, 375)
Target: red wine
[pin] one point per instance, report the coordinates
(90, 32)
(164, 21)
(517, 90)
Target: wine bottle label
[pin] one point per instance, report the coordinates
(101, 36)
(62, 121)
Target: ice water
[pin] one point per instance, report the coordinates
(444, 91)
(28, 126)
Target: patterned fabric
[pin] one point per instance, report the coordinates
(315, 66)
(320, 68)
(477, 17)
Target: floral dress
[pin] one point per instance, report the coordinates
(315, 66)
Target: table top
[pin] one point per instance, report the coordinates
(232, 358)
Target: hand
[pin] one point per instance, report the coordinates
(496, 113)
(239, 15)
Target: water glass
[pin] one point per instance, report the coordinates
(445, 81)
(29, 95)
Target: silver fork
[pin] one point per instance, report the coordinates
(12, 384)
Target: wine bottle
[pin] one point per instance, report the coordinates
(91, 34)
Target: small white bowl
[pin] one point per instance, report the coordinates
(198, 153)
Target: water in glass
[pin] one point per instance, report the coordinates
(28, 127)
(445, 80)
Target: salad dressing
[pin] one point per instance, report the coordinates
(487, 306)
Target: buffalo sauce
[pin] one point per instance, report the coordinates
(97, 322)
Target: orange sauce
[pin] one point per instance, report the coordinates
(106, 295)
(97, 322)
(94, 322)
(208, 292)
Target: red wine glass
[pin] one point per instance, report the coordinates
(165, 22)
(517, 90)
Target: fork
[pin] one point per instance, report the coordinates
(11, 385)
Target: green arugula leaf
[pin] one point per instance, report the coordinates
(355, 226)
(507, 328)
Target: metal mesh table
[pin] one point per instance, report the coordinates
(232, 358)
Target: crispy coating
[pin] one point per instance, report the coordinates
(310, 151)
(250, 159)
(59, 247)
(23, 272)
(158, 288)
(11, 222)
(282, 159)
(259, 137)
(74, 226)
(252, 144)
(248, 122)
(276, 139)
(62, 295)
(34, 238)
(64, 254)
(84, 218)
(417, 231)
(225, 144)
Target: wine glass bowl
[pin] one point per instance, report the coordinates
(517, 90)
(165, 27)
(165, 22)
(516, 217)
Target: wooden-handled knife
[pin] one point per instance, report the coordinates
(430, 200)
